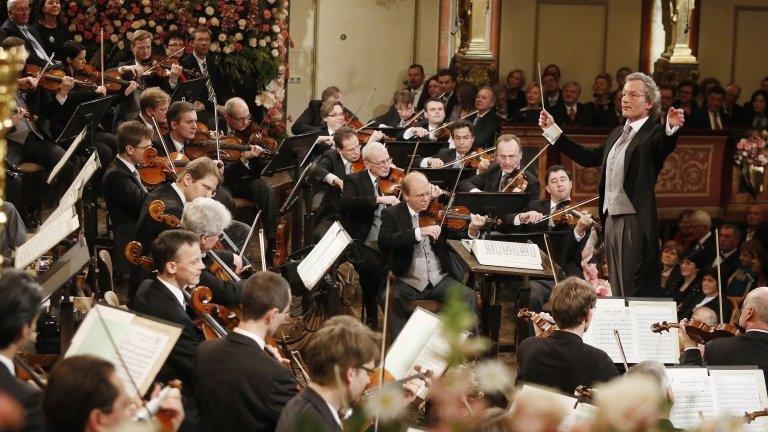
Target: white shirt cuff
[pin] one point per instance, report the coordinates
(330, 178)
(552, 133)
(516, 221)
(425, 162)
(474, 190)
(670, 130)
(577, 236)
(417, 232)
(245, 162)
(408, 134)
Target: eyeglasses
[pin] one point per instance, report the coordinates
(508, 157)
(240, 119)
(367, 369)
(142, 148)
(382, 163)
(334, 115)
(632, 94)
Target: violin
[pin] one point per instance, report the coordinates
(156, 170)
(570, 218)
(454, 218)
(112, 80)
(228, 148)
(516, 180)
(475, 161)
(546, 327)
(749, 417)
(157, 212)
(252, 136)
(389, 185)
(164, 65)
(699, 331)
(52, 78)
(282, 236)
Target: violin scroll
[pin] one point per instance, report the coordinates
(157, 212)
(133, 256)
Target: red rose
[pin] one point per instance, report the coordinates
(265, 28)
(267, 14)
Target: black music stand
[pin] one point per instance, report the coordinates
(492, 203)
(87, 114)
(401, 151)
(445, 178)
(295, 151)
(189, 90)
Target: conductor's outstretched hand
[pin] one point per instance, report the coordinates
(675, 117)
(545, 120)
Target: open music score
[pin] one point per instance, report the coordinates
(143, 342)
(507, 254)
(717, 391)
(633, 319)
(575, 412)
(323, 255)
(420, 343)
(48, 237)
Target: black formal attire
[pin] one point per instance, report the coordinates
(310, 119)
(686, 300)
(701, 120)
(486, 127)
(514, 104)
(447, 155)
(525, 116)
(360, 214)
(423, 97)
(53, 39)
(422, 124)
(609, 117)
(694, 106)
(490, 181)
(10, 29)
(747, 349)
(390, 118)
(736, 112)
(423, 268)
(450, 101)
(750, 119)
(244, 181)
(728, 267)
(27, 396)
(308, 411)
(326, 199)
(559, 103)
(709, 250)
(124, 195)
(225, 293)
(218, 88)
(237, 365)
(584, 116)
(562, 361)
(644, 156)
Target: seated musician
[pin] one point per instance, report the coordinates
(133, 71)
(418, 256)
(657, 373)
(558, 185)
(17, 25)
(400, 112)
(202, 61)
(174, 43)
(362, 204)
(20, 298)
(329, 172)
(121, 185)
(179, 262)
(750, 348)
(463, 136)
(153, 108)
(562, 360)
(182, 126)
(208, 218)
(341, 356)
(85, 394)
(332, 113)
(312, 119)
(494, 177)
(434, 110)
(486, 122)
(244, 364)
(243, 178)
(200, 177)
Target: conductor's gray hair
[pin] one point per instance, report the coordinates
(205, 216)
(651, 92)
(371, 147)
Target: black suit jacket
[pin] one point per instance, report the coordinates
(124, 197)
(710, 250)
(585, 115)
(228, 292)
(189, 62)
(729, 266)
(329, 162)
(450, 103)
(486, 129)
(700, 120)
(237, 171)
(237, 365)
(489, 182)
(390, 118)
(307, 412)
(644, 158)
(447, 155)
(10, 29)
(397, 239)
(310, 120)
(562, 361)
(27, 396)
(750, 348)
(154, 299)
(358, 205)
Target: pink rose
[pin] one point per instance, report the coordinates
(267, 14)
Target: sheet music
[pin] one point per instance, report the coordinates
(323, 255)
(694, 394)
(70, 151)
(46, 238)
(582, 413)
(67, 201)
(91, 165)
(739, 391)
(610, 314)
(663, 347)
(507, 254)
(143, 343)
(564, 402)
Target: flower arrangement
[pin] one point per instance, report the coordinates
(601, 286)
(249, 39)
(750, 158)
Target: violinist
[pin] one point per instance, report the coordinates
(203, 62)
(400, 112)
(243, 178)
(362, 204)
(121, 185)
(237, 364)
(341, 356)
(434, 110)
(133, 72)
(182, 122)
(748, 348)
(486, 122)
(329, 172)
(494, 176)
(333, 116)
(85, 394)
(312, 119)
(418, 255)
(463, 136)
(153, 108)
(562, 360)
(20, 298)
(179, 263)
(174, 42)
(207, 218)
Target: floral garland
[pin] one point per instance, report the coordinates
(751, 150)
(249, 40)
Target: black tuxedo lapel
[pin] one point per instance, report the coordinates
(135, 178)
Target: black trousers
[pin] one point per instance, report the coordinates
(372, 282)
(46, 154)
(258, 190)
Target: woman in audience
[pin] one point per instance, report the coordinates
(671, 252)
(686, 287)
(755, 116)
(530, 113)
(53, 32)
(708, 297)
(515, 92)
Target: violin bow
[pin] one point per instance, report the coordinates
(361, 106)
(45, 68)
(365, 126)
(101, 53)
(413, 118)
(569, 208)
(383, 346)
(216, 121)
(452, 197)
(165, 147)
(250, 233)
(621, 349)
(549, 255)
(474, 154)
(263, 251)
(719, 274)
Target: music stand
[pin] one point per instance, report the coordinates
(295, 150)
(445, 178)
(64, 268)
(189, 90)
(401, 151)
(87, 114)
(492, 203)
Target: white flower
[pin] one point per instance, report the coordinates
(135, 25)
(262, 43)
(238, 36)
(209, 11)
(222, 37)
(73, 27)
(276, 28)
(159, 29)
(493, 376)
(267, 38)
(253, 42)
(271, 1)
(242, 22)
(227, 49)
(151, 23)
(388, 403)
(147, 9)
(201, 21)
(78, 38)
(215, 47)
(274, 44)
(121, 44)
(145, 2)
(275, 52)
(113, 38)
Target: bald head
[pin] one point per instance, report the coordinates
(705, 315)
(754, 312)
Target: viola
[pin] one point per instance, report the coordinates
(52, 78)
(700, 331)
(454, 218)
(200, 300)
(228, 149)
(112, 80)
(157, 169)
(546, 327)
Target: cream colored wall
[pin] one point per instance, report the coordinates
(741, 59)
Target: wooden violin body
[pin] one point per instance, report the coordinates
(157, 169)
(546, 327)
(157, 212)
(699, 331)
(455, 218)
(52, 78)
(133, 256)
